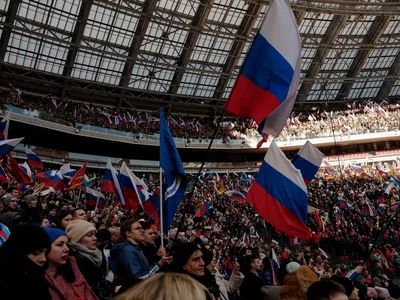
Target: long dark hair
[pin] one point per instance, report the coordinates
(66, 272)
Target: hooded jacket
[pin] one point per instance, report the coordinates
(131, 265)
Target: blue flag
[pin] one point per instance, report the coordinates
(175, 177)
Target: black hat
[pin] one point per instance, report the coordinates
(345, 282)
(26, 239)
(182, 254)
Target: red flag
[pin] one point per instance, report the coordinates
(77, 180)
(16, 172)
(319, 220)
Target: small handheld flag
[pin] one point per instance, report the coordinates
(34, 161)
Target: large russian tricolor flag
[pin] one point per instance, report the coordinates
(132, 193)
(109, 178)
(34, 161)
(279, 194)
(266, 87)
(7, 145)
(95, 198)
(51, 178)
(308, 160)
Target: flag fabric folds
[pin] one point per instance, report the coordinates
(94, 197)
(7, 145)
(134, 190)
(3, 176)
(152, 206)
(279, 194)
(238, 196)
(16, 172)
(175, 176)
(109, 179)
(275, 267)
(4, 125)
(77, 180)
(308, 160)
(34, 161)
(266, 87)
(50, 178)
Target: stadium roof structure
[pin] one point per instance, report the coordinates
(186, 54)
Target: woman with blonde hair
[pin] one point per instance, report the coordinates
(167, 286)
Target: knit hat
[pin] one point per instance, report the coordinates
(28, 199)
(346, 282)
(305, 278)
(372, 291)
(292, 266)
(7, 199)
(382, 293)
(54, 233)
(26, 239)
(77, 229)
(182, 254)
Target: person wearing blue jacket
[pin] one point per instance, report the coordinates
(131, 265)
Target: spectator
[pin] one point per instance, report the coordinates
(90, 259)
(130, 263)
(167, 286)
(10, 203)
(148, 245)
(31, 210)
(115, 234)
(63, 277)
(23, 262)
(327, 289)
(62, 219)
(252, 283)
(79, 214)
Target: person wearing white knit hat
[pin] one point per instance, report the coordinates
(90, 259)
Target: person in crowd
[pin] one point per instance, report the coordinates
(225, 287)
(115, 234)
(326, 289)
(351, 289)
(167, 286)
(13, 191)
(62, 219)
(148, 245)
(131, 264)
(104, 244)
(11, 219)
(79, 214)
(252, 282)
(23, 262)
(31, 209)
(90, 259)
(10, 203)
(63, 277)
(45, 222)
(188, 259)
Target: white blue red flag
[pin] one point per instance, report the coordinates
(279, 194)
(7, 145)
(266, 87)
(4, 125)
(275, 266)
(132, 194)
(95, 198)
(34, 161)
(308, 160)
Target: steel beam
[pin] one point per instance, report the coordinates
(134, 49)
(388, 84)
(246, 26)
(332, 32)
(8, 26)
(77, 37)
(373, 35)
(199, 20)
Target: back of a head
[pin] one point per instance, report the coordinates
(167, 286)
(326, 290)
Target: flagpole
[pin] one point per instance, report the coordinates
(161, 208)
(97, 202)
(79, 197)
(196, 180)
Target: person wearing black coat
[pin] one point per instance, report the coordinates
(252, 283)
(31, 211)
(23, 262)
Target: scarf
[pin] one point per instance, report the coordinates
(95, 256)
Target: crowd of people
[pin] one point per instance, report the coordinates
(354, 118)
(61, 247)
